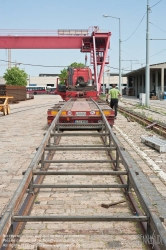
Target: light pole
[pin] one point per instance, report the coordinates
(120, 87)
(147, 56)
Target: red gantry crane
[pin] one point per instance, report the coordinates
(91, 41)
(81, 108)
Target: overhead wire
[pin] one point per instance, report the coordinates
(154, 54)
(152, 24)
(135, 29)
(157, 27)
(118, 68)
(155, 4)
(158, 52)
(129, 54)
(36, 65)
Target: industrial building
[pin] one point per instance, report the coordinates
(43, 80)
(136, 80)
(113, 78)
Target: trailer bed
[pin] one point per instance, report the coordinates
(81, 110)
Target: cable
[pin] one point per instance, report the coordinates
(155, 54)
(36, 65)
(156, 4)
(135, 29)
(118, 68)
(158, 52)
(129, 55)
(157, 27)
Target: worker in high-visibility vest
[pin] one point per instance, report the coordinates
(114, 94)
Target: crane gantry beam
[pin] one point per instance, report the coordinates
(96, 44)
(41, 42)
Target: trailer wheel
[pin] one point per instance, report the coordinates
(8, 110)
(4, 111)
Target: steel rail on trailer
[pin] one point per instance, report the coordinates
(18, 210)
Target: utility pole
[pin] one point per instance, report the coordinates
(120, 87)
(120, 74)
(9, 58)
(147, 58)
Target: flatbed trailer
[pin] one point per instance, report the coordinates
(81, 111)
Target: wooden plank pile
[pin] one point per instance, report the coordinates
(154, 97)
(18, 92)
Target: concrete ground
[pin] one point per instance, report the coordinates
(21, 133)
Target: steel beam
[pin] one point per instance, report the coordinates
(41, 42)
(79, 173)
(79, 134)
(80, 218)
(82, 146)
(79, 186)
(80, 161)
(76, 148)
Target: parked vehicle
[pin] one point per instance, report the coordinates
(36, 90)
(51, 90)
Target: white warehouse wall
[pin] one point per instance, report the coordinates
(109, 79)
(42, 81)
(39, 81)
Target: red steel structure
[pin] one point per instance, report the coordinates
(94, 42)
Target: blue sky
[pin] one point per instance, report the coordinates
(74, 14)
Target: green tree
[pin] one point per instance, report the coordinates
(77, 65)
(63, 74)
(15, 76)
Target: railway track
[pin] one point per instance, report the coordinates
(157, 126)
(152, 103)
(78, 171)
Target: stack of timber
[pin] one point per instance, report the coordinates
(154, 98)
(18, 92)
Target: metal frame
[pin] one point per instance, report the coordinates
(151, 217)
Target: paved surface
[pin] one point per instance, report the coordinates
(129, 136)
(80, 235)
(21, 133)
(17, 148)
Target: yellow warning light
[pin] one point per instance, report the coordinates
(63, 113)
(107, 112)
(97, 112)
(54, 112)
